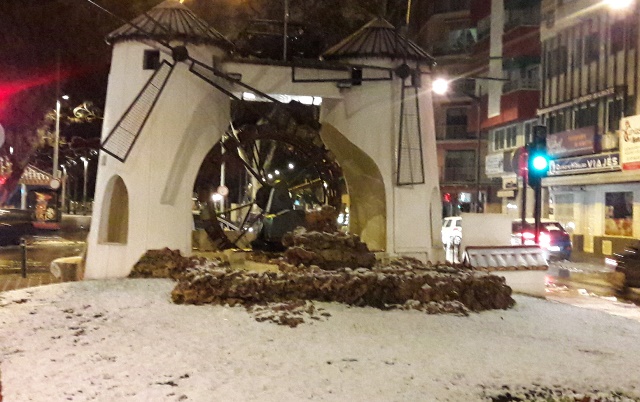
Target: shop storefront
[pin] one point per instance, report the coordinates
(597, 196)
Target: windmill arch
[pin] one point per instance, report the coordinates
(114, 223)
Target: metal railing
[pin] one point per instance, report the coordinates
(522, 17)
(449, 6)
(521, 83)
(465, 174)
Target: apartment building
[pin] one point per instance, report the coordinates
(445, 29)
(507, 55)
(589, 103)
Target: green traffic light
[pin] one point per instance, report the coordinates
(540, 162)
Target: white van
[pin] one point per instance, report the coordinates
(452, 231)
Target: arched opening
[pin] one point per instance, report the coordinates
(267, 145)
(367, 215)
(115, 213)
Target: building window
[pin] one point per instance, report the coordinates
(587, 116)
(498, 139)
(577, 54)
(618, 219)
(592, 47)
(511, 136)
(151, 60)
(456, 123)
(557, 61)
(528, 131)
(505, 137)
(460, 166)
(614, 114)
(617, 37)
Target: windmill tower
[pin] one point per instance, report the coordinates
(168, 102)
(160, 121)
(390, 118)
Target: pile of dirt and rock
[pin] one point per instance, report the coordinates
(285, 297)
(326, 250)
(163, 263)
(405, 284)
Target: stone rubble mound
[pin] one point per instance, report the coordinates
(163, 263)
(326, 250)
(401, 285)
(286, 297)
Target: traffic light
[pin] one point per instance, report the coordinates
(538, 165)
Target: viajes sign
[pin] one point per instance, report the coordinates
(630, 142)
(585, 164)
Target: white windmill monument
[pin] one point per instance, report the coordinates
(171, 84)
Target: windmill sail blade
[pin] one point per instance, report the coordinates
(410, 169)
(124, 134)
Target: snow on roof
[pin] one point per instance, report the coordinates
(170, 20)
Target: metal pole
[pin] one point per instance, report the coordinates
(479, 147)
(23, 249)
(56, 142)
(63, 198)
(285, 34)
(537, 209)
(523, 212)
(84, 188)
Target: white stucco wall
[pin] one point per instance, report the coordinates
(159, 173)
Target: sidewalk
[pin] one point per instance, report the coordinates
(14, 280)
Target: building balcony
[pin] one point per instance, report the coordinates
(445, 132)
(521, 84)
(464, 174)
(516, 105)
(522, 17)
(451, 6)
(451, 49)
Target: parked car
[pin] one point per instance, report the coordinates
(628, 263)
(452, 231)
(14, 224)
(554, 239)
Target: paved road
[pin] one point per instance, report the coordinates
(40, 251)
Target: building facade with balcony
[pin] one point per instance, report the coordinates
(507, 55)
(446, 30)
(589, 103)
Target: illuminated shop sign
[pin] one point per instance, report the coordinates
(585, 164)
(630, 142)
(580, 141)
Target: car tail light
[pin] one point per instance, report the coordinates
(528, 238)
(545, 240)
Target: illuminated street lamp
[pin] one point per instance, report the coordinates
(440, 86)
(619, 4)
(56, 144)
(84, 186)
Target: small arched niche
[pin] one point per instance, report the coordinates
(114, 222)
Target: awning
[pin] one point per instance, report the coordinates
(32, 176)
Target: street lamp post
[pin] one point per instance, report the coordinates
(56, 142)
(63, 198)
(84, 186)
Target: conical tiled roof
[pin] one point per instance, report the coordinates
(169, 20)
(378, 38)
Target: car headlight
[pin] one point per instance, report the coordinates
(611, 263)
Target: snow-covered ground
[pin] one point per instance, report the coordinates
(123, 340)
